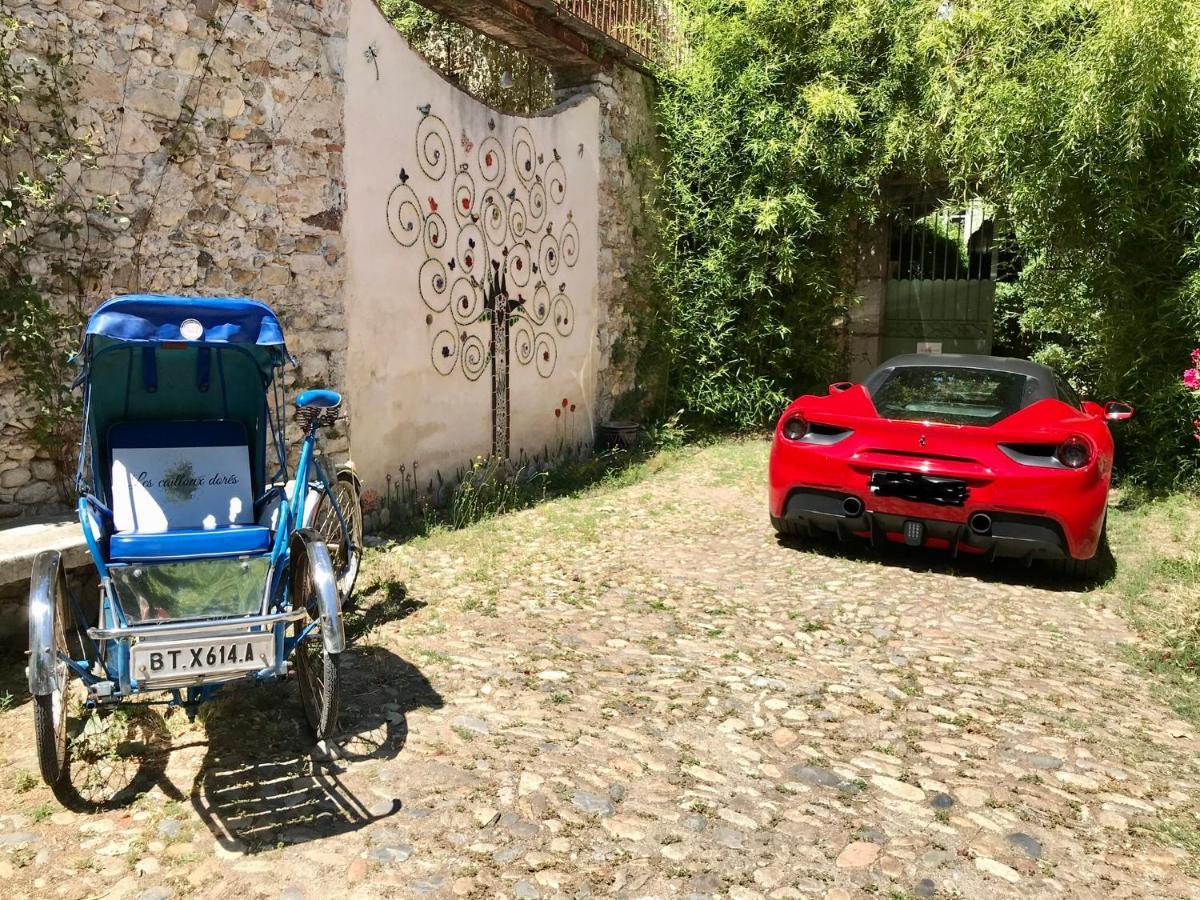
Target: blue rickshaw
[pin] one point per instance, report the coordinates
(214, 565)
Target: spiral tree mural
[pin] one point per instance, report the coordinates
(496, 233)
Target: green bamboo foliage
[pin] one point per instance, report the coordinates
(1078, 120)
(780, 121)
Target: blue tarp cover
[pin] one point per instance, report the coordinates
(157, 317)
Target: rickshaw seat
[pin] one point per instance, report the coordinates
(190, 543)
(188, 538)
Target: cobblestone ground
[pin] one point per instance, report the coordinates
(640, 693)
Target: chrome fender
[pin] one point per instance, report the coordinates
(315, 489)
(350, 469)
(307, 549)
(44, 585)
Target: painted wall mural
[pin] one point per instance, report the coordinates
(472, 247)
(510, 233)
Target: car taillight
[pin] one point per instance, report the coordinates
(1074, 453)
(795, 428)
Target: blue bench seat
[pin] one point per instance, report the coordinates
(190, 543)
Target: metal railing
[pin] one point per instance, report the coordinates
(644, 26)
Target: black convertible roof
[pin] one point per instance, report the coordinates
(1040, 380)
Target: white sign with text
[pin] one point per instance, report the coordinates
(167, 488)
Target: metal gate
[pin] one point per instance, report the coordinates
(941, 280)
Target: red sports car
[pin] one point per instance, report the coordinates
(974, 454)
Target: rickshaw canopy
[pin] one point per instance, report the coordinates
(160, 318)
(156, 358)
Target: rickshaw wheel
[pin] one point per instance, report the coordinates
(318, 672)
(345, 546)
(50, 709)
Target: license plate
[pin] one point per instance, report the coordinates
(919, 488)
(203, 658)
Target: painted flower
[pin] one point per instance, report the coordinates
(557, 413)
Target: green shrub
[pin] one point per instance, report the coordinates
(1079, 120)
(780, 122)
(1075, 119)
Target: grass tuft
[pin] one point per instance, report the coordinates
(1157, 542)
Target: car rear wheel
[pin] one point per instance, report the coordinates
(1098, 568)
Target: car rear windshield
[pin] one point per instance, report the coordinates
(947, 394)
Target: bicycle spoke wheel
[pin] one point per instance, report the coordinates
(50, 718)
(48, 641)
(317, 670)
(342, 535)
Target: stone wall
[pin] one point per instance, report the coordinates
(629, 154)
(27, 476)
(865, 333)
(219, 131)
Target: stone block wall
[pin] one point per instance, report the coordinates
(629, 153)
(865, 333)
(218, 125)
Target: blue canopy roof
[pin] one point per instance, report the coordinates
(159, 317)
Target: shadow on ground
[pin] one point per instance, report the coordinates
(919, 559)
(115, 758)
(263, 782)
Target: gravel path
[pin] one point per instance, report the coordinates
(640, 693)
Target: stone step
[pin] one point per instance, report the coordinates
(19, 545)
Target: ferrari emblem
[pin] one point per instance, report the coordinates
(922, 441)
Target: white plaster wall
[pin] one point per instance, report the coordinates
(419, 370)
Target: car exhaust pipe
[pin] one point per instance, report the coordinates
(980, 523)
(852, 507)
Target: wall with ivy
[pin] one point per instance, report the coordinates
(494, 73)
(206, 159)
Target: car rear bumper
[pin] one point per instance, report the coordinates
(1036, 512)
(994, 533)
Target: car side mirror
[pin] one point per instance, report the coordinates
(1116, 411)
(839, 386)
